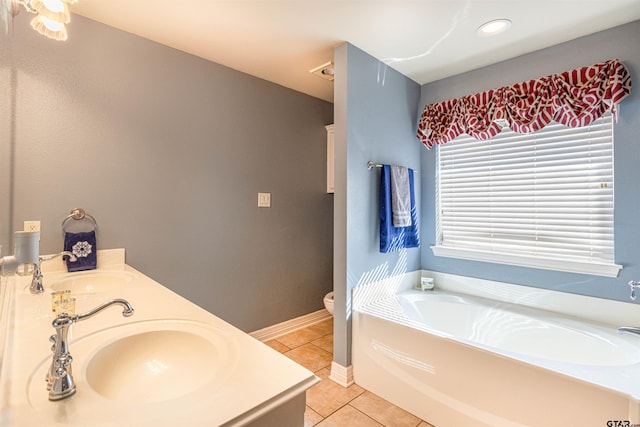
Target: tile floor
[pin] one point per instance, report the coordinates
(330, 404)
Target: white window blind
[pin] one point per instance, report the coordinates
(543, 199)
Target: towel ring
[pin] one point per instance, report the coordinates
(79, 214)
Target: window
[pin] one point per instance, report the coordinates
(542, 200)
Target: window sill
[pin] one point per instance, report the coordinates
(593, 268)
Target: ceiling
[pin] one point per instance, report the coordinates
(281, 40)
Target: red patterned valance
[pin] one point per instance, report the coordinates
(573, 98)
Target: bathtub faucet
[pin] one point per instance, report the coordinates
(36, 281)
(634, 330)
(59, 378)
(633, 285)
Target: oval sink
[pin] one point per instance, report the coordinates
(146, 362)
(91, 282)
(153, 366)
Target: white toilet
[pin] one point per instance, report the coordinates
(328, 302)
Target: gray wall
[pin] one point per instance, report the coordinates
(620, 42)
(168, 152)
(6, 119)
(376, 109)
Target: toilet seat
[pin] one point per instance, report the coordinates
(328, 302)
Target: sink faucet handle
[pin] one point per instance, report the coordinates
(62, 384)
(633, 284)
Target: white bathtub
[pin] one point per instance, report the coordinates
(460, 360)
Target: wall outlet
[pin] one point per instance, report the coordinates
(264, 200)
(32, 226)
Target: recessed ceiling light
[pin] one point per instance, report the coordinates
(493, 27)
(325, 71)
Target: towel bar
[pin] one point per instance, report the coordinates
(371, 165)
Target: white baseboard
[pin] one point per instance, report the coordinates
(341, 374)
(271, 332)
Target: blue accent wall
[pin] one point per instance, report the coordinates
(620, 42)
(376, 111)
(375, 119)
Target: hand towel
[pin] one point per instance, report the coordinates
(400, 199)
(394, 238)
(83, 246)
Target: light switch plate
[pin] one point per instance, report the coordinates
(31, 226)
(264, 200)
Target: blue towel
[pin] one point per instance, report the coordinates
(83, 246)
(394, 238)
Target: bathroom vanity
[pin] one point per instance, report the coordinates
(171, 363)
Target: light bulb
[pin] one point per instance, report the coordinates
(52, 9)
(493, 27)
(48, 27)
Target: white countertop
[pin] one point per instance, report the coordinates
(256, 380)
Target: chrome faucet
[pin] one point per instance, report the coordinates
(634, 330)
(59, 378)
(633, 284)
(36, 281)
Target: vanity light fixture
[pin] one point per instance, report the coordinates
(55, 10)
(51, 16)
(49, 27)
(325, 71)
(493, 27)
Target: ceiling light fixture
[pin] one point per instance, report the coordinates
(51, 16)
(325, 71)
(493, 27)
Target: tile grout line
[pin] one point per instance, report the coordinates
(363, 413)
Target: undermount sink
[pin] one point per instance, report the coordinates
(146, 362)
(91, 281)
